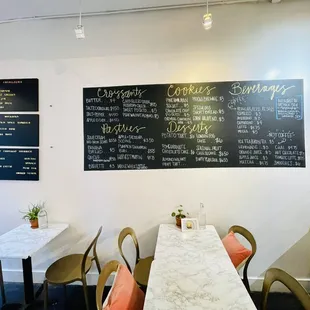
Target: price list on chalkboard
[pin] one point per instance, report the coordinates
(19, 164)
(198, 125)
(19, 95)
(19, 131)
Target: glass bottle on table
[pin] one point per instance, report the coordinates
(202, 218)
(43, 219)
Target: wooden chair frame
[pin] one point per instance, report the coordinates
(128, 231)
(247, 235)
(274, 274)
(110, 267)
(94, 257)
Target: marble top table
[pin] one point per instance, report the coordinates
(192, 271)
(23, 242)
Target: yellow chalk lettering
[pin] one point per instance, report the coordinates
(120, 93)
(172, 126)
(237, 90)
(189, 90)
(197, 128)
(120, 128)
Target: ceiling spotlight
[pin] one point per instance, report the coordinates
(79, 29)
(79, 32)
(207, 19)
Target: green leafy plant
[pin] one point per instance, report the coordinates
(179, 213)
(33, 211)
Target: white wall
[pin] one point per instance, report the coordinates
(250, 41)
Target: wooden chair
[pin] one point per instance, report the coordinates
(103, 277)
(247, 235)
(274, 274)
(72, 268)
(142, 265)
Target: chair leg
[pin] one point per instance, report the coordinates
(65, 296)
(85, 292)
(264, 297)
(143, 288)
(2, 286)
(45, 295)
(98, 264)
(245, 279)
(247, 285)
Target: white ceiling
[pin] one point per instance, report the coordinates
(10, 9)
(14, 9)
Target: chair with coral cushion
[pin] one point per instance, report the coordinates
(124, 293)
(239, 255)
(143, 265)
(274, 274)
(72, 268)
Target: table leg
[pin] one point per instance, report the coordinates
(30, 296)
(2, 285)
(28, 281)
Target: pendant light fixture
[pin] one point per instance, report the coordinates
(207, 19)
(79, 29)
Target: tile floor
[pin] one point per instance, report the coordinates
(75, 298)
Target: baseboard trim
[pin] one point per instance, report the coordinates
(16, 275)
(257, 284)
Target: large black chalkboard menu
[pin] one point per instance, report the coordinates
(19, 95)
(19, 164)
(197, 125)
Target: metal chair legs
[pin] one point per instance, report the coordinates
(98, 264)
(45, 295)
(85, 293)
(65, 296)
(85, 289)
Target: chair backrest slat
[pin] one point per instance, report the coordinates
(247, 235)
(128, 231)
(274, 274)
(103, 277)
(93, 246)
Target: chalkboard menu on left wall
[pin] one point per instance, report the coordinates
(20, 95)
(19, 130)
(19, 164)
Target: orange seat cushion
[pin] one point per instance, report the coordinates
(125, 293)
(236, 251)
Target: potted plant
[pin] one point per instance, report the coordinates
(178, 215)
(32, 214)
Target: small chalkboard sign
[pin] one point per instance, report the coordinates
(19, 129)
(195, 125)
(19, 164)
(19, 95)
